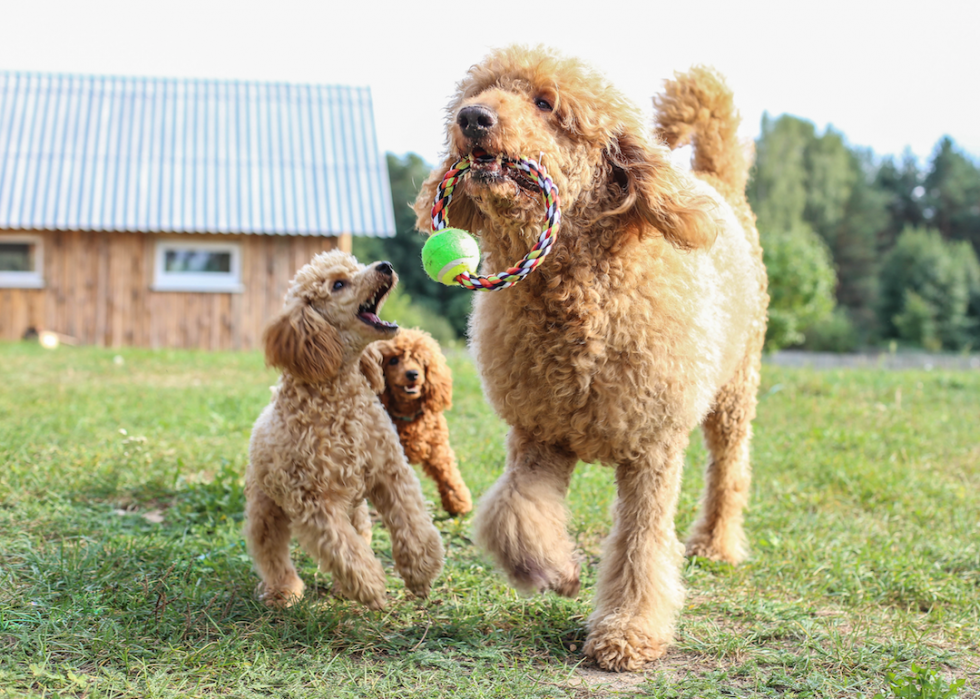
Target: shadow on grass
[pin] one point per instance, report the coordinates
(128, 581)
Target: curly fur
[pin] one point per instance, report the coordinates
(646, 320)
(324, 443)
(417, 386)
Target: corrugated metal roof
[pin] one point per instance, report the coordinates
(156, 154)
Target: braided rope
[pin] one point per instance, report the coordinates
(549, 192)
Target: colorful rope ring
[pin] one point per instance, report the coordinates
(502, 280)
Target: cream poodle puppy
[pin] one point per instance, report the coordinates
(647, 320)
(325, 443)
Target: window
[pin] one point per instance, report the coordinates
(21, 262)
(194, 266)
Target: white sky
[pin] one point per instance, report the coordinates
(889, 75)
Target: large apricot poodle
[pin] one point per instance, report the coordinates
(418, 387)
(646, 320)
(324, 443)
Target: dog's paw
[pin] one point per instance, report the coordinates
(366, 586)
(418, 589)
(456, 500)
(623, 649)
(567, 583)
(376, 603)
(280, 596)
(419, 576)
(731, 550)
(419, 571)
(534, 576)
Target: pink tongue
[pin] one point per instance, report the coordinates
(371, 317)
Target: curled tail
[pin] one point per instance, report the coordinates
(697, 106)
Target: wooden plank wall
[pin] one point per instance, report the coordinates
(97, 290)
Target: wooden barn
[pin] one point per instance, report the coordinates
(173, 213)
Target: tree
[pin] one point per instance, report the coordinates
(952, 189)
(801, 274)
(853, 241)
(927, 288)
(801, 283)
(806, 179)
(901, 186)
(777, 189)
(831, 171)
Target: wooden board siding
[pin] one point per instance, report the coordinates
(97, 290)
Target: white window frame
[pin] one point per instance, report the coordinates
(209, 282)
(25, 280)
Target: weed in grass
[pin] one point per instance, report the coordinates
(210, 502)
(921, 683)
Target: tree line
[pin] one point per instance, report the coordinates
(861, 250)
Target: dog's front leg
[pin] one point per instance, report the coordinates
(328, 534)
(440, 465)
(267, 532)
(522, 520)
(639, 590)
(416, 546)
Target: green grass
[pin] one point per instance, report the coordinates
(123, 572)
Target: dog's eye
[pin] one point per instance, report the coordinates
(543, 104)
(339, 284)
(393, 361)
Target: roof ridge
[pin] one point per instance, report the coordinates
(170, 78)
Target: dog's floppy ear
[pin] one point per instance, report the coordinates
(646, 194)
(462, 213)
(371, 361)
(438, 391)
(299, 340)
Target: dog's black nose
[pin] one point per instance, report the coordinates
(412, 375)
(476, 120)
(384, 268)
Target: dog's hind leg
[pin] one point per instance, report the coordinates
(522, 520)
(718, 534)
(267, 533)
(639, 591)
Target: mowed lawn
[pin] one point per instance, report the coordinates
(123, 572)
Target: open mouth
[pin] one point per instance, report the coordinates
(487, 168)
(368, 311)
(412, 390)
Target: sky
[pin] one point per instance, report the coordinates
(890, 75)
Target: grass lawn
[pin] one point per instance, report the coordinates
(123, 572)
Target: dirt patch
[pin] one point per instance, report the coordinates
(588, 680)
(600, 681)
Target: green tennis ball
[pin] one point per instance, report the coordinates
(448, 253)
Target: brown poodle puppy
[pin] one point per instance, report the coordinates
(646, 320)
(418, 387)
(324, 443)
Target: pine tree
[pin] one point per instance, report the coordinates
(952, 189)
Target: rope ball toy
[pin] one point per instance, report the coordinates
(451, 255)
